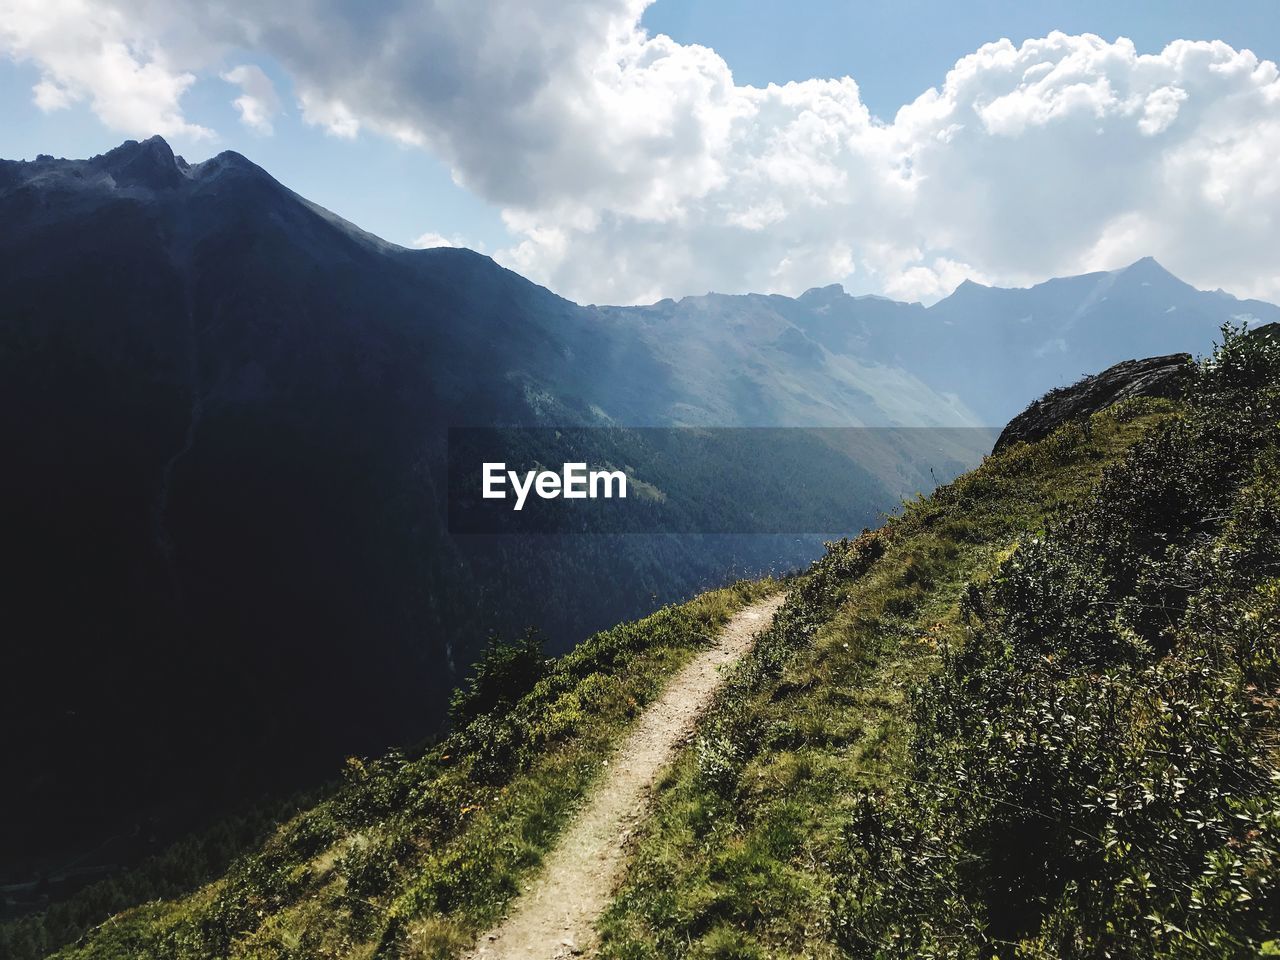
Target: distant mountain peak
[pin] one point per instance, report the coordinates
(969, 286)
(831, 293)
(149, 163)
(155, 145)
(1151, 273)
(230, 158)
(1146, 265)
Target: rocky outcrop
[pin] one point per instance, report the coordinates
(1153, 377)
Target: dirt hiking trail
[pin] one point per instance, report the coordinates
(555, 916)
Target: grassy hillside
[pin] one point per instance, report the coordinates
(409, 853)
(1033, 715)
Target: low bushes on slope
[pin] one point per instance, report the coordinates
(741, 857)
(1093, 771)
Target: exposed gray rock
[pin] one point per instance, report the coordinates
(1153, 377)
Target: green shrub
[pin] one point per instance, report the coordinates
(1092, 774)
(504, 673)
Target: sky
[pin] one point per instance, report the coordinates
(626, 150)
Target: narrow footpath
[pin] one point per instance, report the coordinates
(555, 916)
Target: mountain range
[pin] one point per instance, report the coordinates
(987, 351)
(226, 556)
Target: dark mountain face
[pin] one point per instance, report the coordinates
(218, 409)
(225, 559)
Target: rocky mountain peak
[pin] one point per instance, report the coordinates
(149, 164)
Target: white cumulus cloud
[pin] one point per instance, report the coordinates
(94, 53)
(258, 102)
(629, 166)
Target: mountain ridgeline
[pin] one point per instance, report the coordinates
(226, 555)
(988, 351)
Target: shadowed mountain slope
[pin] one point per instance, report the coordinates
(224, 416)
